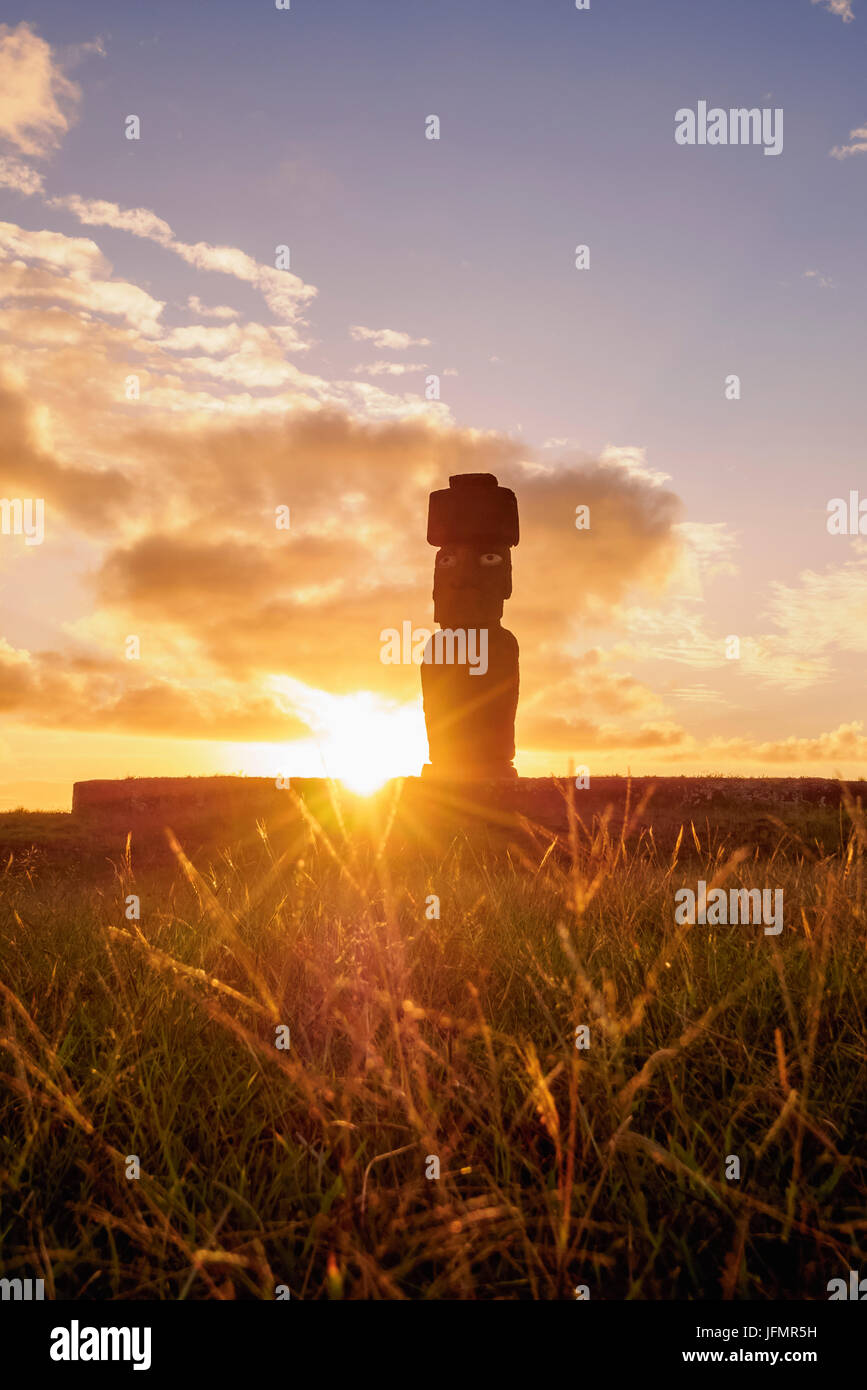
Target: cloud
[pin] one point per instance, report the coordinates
(76, 356)
(38, 103)
(390, 368)
(816, 621)
(387, 338)
(75, 691)
(633, 461)
(858, 145)
(580, 737)
(846, 744)
(217, 311)
(73, 54)
(566, 576)
(824, 611)
(252, 355)
(209, 339)
(667, 742)
(824, 282)
(697, 694)
(189, 553)
(284, 292)
(96, 212)
(28, 468)
(15, 174)
(77, 256)
(355, 559)
(678, 631)
(842, 8)
(708, 551)
(83, 280)
(176, 495)
(554, 713)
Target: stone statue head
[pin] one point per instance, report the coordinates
(474, 522)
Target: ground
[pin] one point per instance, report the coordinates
(434, 980)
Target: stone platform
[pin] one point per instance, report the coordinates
(234, 806)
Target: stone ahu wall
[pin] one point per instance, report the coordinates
(188, 800)
(193, 800)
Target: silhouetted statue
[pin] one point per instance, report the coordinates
(470, 703)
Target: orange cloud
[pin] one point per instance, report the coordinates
(87, 498)
(190, 553)
(74, 692)
(38, 103)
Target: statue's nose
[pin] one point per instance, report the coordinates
(466, 574)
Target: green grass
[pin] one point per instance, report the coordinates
(412, 1036)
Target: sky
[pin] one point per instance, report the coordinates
(171, 381)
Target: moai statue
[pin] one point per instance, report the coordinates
(470, 703)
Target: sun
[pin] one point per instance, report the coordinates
(361, 740)
(365, 741)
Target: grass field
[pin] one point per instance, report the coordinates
(416, 1037)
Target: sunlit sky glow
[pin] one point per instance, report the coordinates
(261, 387)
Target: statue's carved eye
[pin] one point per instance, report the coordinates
(445, 561)
(490, 558)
